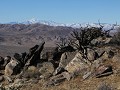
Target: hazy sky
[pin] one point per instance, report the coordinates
(61, 11)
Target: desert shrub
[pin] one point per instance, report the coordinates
(86, 35)
(81, 39)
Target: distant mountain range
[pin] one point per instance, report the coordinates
(34, 31)
(31, 34)
(73, 25)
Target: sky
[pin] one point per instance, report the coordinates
(61, 11)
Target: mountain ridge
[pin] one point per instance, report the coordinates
(53, 23)
(32, 33)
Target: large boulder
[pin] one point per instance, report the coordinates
(13, 67)
(20, 57)
(101, 41)
(64, 60)
(77, 64)
(31, 53)
(6, 60)
(34, 55)
(105, 52)
(101, 60)
(59, 51)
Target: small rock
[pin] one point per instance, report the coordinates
(58, 70)
(101, 41)
(104, 71)
(91, 55)
(100, 52)
(86, 75)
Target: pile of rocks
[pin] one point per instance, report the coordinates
(56, 66)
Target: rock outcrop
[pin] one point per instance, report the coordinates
(12, 68)
(32, 66)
